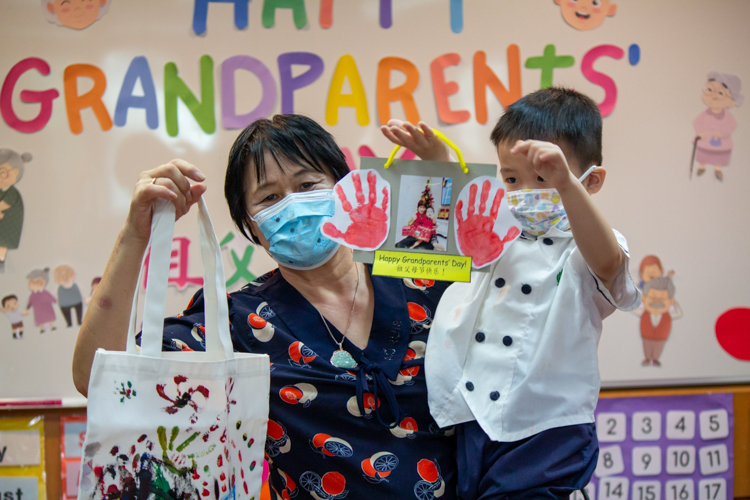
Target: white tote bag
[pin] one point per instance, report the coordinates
(176, 425)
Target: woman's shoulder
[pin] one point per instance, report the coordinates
(185, 331)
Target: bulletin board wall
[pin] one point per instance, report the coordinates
(150, 81)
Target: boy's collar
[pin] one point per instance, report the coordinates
(553, 232)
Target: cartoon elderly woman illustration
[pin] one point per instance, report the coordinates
(41, 300)
(75, 14)
(11, 204)
(714, 127)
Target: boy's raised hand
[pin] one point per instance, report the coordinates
(547, 160)
(420, 140)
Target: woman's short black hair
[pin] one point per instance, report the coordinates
(294, 138)
(556, 115)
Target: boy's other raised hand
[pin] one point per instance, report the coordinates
(547, 160)
(420, 140)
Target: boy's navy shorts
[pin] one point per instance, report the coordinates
(552, 464)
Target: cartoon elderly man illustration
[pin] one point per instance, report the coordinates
(658, 310)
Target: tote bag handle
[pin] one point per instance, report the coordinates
(218, 339)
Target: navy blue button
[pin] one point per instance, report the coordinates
(470, 386)
(526, 289)
(547, 241)
(507, 340)
(480, 337)
(494, 395)
(499, 282)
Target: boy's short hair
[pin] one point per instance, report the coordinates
(8, 298)
(556, 115)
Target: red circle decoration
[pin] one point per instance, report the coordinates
(733, 332)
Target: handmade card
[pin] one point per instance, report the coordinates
(423, 219)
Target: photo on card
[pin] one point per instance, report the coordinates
(421, 216)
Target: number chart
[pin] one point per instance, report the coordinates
(664, 448)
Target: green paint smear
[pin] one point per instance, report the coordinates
(187, 441)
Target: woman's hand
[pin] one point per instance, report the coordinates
(169, 182)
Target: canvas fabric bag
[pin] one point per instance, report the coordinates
(187, 425)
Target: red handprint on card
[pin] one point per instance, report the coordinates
(369, 226)
(476, 235)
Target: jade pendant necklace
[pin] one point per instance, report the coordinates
(342, 358)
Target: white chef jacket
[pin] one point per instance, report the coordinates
(515, 349)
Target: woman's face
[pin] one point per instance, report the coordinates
(37, 284)
(279, 182)
(716, 96)
(421, 209)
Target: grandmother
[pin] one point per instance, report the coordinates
(348, 398)
(715, 125)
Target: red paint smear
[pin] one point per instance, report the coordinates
(369, 226)
(476, 237)
(733, 332)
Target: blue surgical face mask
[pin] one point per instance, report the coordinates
(292, 227)
(539, 210)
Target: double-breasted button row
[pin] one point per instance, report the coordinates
(494, 395)
(500, 282)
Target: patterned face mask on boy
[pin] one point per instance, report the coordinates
(538, 210)
(292, 227)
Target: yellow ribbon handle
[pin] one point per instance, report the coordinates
(450, 144)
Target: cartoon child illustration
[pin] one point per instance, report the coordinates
(40, 299)
(714, 127)
(94, 283)
(11, 204)
(658, 310)
(651, 268)
(9, 306)
(76, 14)
(68, 294)
(586, 14)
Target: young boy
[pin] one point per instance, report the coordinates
(512, 355)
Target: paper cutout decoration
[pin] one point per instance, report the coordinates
(75, 14)
(484, 235)
(9, 305)
(714, 127)
(69, 297)
(658, 310)
(605, 82)
(326, 13)
(366, 225)
(733, 332)
(40, 300)
(346, 69)
(44, 98)
(11, 203)
(444, 89)
(229, 117)
(75, 103)
(586, 15)
(403, 93)
(22, 457)
(200, 14)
